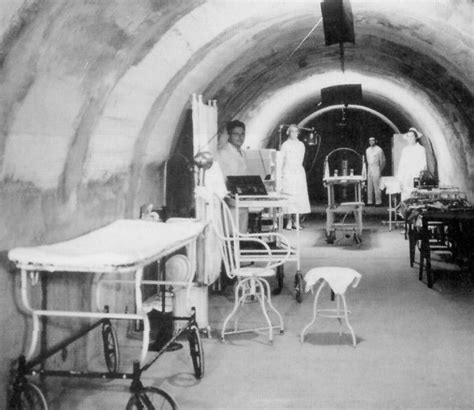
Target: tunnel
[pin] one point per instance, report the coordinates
(94, 97)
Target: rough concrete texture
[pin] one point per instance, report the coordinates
(414, 343)
(113, 64)
(93, 96)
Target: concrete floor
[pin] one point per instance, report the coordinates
(415, 344)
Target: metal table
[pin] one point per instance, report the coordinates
(276, 203)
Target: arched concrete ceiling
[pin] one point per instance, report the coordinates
(93, 93)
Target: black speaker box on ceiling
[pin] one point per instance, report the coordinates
(342, 94)
(338, 22)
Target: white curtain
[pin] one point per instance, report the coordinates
(204, 125)
(205, 139)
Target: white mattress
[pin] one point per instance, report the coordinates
(123, 243)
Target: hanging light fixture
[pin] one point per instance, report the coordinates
(313, 138)
(343, 122)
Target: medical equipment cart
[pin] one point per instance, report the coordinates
(281, 249)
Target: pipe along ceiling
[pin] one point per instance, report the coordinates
(94, 94)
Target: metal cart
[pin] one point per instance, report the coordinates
(344, 210)
(92, 254)
(280, 247)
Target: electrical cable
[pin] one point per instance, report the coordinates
(262, 74)
(306, 37)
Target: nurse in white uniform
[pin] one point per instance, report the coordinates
(294, 175)
(412, 162)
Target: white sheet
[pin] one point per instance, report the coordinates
(338, 278)
(126, 242)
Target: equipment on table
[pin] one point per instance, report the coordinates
(246, 185)
(279, 245)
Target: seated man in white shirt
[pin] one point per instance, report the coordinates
(230, 156)
(232, 161)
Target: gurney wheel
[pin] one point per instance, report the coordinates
(28, 397)
(197, 353)
(357, 239)
(299, 287)
(151, 398)
(330, 238)
(111, 348)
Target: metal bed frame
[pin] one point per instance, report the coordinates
(26, 395)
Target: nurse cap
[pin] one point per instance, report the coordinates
(418, 134)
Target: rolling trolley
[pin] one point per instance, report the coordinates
(121, 249)
(351, 230)
(280, 248)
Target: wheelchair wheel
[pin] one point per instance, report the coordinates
(151, 398)
(29, 397)
(299, 287)
(197, 353)
(111, 348)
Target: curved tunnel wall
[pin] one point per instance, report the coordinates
(105, 87)
(412, 102)
(92, 94)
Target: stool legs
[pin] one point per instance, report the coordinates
(346, 318)
(315, 311)
(268, 294)
(261, 298)
(237, 302)
(259, 288)
(337, 313)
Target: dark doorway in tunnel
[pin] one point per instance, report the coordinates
(350, 130)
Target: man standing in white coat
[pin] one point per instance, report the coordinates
(375, 165)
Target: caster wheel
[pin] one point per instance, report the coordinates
(282, 332)
(111, 347)
(196, 351)
(29, 396)
(299, 287)
(330, 238)
(151, 398)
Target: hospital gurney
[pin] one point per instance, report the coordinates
(122, 248)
